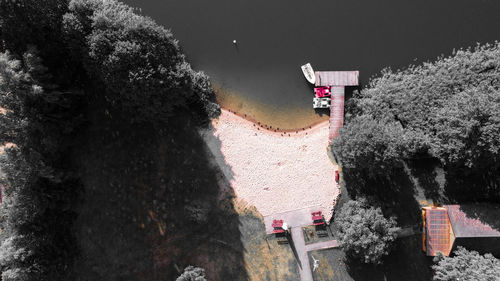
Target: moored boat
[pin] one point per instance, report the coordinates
(322, 102)
(322, 92)
(309, 73)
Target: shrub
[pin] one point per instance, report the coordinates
(364, 233)
(467, 265)
(192, 273)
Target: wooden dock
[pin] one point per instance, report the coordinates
(336, 111)
(337, 80)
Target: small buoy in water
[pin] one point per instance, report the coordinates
(234, 41)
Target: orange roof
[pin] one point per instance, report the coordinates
(438, 232)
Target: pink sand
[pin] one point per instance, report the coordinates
(272, 172)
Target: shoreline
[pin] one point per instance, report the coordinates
(275, 131)
(288, 118)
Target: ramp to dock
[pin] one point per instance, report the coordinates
(336, 111)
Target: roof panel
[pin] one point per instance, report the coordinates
(472, 220)
(438, 238)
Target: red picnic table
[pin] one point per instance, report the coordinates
(317, 218)
(278, 226)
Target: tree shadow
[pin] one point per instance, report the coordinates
(406, 261)
(153, 203)
(322, 111)
(392, 190)
(424, 170)
(465, 184)
(351, 91)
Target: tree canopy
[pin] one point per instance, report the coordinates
(192, 273)
(138, 61)
(467, 266)
(62, 61)
(25, 22)
(35, 214)
(364, 233)
(448, 110)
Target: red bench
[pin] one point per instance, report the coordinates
(278, 226)
(317, 218)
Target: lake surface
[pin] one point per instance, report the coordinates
(260, 76)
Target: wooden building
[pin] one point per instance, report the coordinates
(475, 227)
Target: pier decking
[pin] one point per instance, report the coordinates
(336, 111)
(337, 80)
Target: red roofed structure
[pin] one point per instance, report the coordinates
(437, 235)
(475, 227)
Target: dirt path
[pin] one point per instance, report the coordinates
(322, 245)
(300, 246)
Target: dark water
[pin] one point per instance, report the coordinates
(275, 37)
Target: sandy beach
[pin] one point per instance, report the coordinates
(273, 171)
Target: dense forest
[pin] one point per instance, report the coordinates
(100, 111)
(447, 111)
(405, 128)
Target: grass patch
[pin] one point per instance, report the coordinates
(264, 258)
(315, 234)
(406, 262)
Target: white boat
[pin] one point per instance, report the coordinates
(309, 73)
(322, 102)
